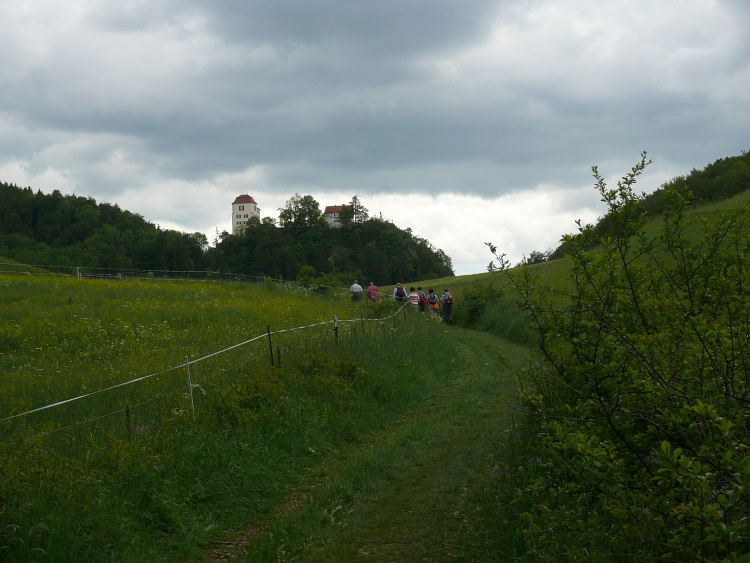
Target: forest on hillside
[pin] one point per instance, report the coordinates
(303, 246)
(68, 230)
(722, 179)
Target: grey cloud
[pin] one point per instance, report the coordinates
(483, 98)
(373, 27)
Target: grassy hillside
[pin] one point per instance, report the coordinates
(139, 419)
(630, 442)
(488, 302)
(638, 398)
(723, 179)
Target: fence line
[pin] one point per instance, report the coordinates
(59, 403)
(188, 363)
(78, 272)
(90, 420)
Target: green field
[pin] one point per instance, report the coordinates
(599, 412)
(114, 449)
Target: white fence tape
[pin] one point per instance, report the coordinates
(190, 362)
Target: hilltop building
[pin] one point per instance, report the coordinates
(243, 208)
(332, 214)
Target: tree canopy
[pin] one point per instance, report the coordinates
(300, 212)
(53, 229)
(304, 243)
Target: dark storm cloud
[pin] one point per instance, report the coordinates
(377, 29)
(501, 103)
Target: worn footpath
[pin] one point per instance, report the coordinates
(413, 492)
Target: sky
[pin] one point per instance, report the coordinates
(468, 122)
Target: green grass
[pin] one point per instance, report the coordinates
(411, 490)
(557, 515)
(499, 313)
(133, 473)
(396, 440)
(63, 337)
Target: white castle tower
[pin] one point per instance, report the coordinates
(243, 208)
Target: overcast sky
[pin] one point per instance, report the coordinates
(468, 121)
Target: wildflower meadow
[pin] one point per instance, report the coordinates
(137, 416)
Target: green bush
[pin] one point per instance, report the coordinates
(489, 306)
(476, 298)
(641, 389)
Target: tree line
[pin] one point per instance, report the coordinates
(304, 246)
(69, 230)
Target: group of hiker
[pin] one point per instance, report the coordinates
(372, 292)
(416, 298)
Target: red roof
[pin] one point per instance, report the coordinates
(244, 198)
(336, 208)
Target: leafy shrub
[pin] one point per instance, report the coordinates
(641, 389)
(491, 308)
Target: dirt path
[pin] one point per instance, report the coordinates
(411, 493)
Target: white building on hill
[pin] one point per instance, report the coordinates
(243, 208)
(332, 214)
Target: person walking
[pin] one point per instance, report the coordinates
(373, 293)
(413, 298)
(447, 302)
(422, 299)
(399, 293)
(433, 304)
(356, 291)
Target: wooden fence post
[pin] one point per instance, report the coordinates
(270, 342)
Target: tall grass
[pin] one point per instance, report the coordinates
(157, 469)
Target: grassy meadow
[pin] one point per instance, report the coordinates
(143, 459)
(608, 423)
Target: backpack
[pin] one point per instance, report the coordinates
(432, 298)
(400, 292)
(448, 298)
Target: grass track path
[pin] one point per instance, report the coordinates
(412, 492)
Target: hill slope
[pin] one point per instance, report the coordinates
(720, 180)
(639, 394)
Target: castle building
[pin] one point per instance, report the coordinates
(332, 214)
(243, 208)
